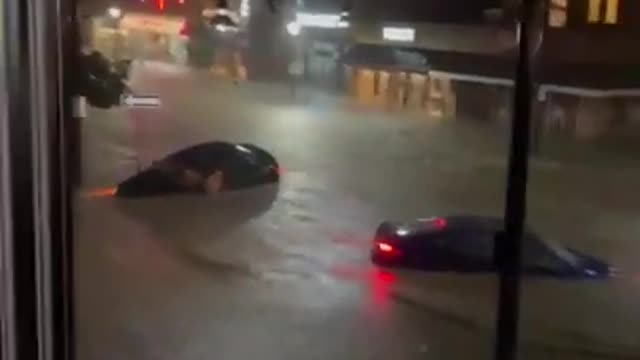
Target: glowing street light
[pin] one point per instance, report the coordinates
(293, 28)
(114, 12)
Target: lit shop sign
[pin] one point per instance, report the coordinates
(151, 23)
(399, 34)
(327, 21)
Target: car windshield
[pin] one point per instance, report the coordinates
(547, 254)
(561, 252)
(248, 156)
(337, 116)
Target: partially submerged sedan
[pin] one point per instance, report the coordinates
(210, 167)
(171, 197)
(466, 244)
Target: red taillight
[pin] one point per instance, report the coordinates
(161, 4)
(181, 2)
(440, 223)
(386, 248)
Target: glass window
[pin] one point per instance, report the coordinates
(595, 10)
(603, 11)
(581, 199)
(238, 157)
(558, 13)
(611, 12)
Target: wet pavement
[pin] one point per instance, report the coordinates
(188, 277)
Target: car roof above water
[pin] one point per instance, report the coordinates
(456, 222)
(478, 225)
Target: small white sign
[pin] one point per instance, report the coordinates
(399, 34)
(317, 20)
(147, 101)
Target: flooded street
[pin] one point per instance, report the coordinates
(284, 273)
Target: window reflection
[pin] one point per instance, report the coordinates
(579, 193)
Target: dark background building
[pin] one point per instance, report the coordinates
(449, 11)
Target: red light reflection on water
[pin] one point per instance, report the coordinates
(384, 277)
(381, 285)
(377, 282)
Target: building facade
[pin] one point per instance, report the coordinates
(586, 65)
(589, 67)
(452, 62)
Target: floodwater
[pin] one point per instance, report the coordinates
(283, 272)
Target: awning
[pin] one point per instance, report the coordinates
(497, 69)
(423, 60)
(386, 57)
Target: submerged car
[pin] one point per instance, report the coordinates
(466, 244)
(204, 168)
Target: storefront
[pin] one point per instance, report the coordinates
(386, 77)
(439, 84)
(141, 36)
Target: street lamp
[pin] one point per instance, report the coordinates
(114, 12)
(112, 20)
(293, 28)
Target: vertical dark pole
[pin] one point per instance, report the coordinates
(539, 108)
(537, 30)
(30, 34)
(68, 174)
(76, 29)
(509, 243)
(19, 165)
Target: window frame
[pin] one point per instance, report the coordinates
(36, 309)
